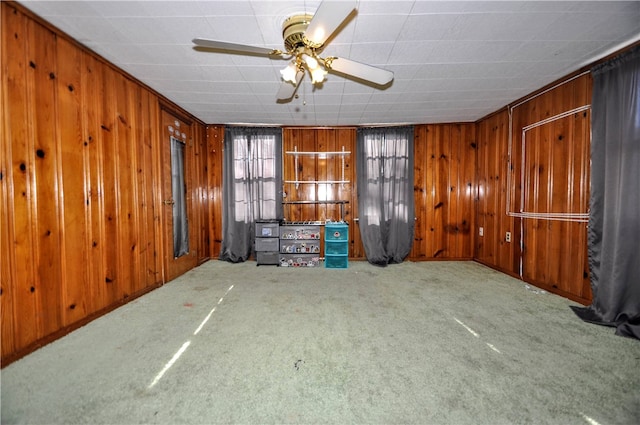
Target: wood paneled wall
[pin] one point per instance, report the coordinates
(322, 168)
(491, 248)
(536, 186)
(445, 160)
(215, 144)
(80, 185)
(445, 191)
(201, 193)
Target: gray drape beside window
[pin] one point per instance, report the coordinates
(614, 217)
(252, 186)
(384, 160)
(179, 194)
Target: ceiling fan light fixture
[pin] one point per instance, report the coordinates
(289, 72)
(317, 75)
(312, 63)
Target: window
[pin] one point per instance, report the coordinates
(252, 187)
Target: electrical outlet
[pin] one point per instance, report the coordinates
(481, 231)
(508, 237)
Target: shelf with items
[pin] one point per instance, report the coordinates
(292, 246)
(299, 244)
(298, 231)
(299, 260)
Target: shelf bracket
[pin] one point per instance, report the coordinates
(295, 159)
(342, 157)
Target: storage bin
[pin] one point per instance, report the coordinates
(336, 262)
(267, 229)
(267, 244)
(336, 232)
(336, 245)
(333, 247)
(269, 258)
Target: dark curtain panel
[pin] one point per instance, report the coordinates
(614, 220)
(384, 160)
(252, 186)
(179, 193)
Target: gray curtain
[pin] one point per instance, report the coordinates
(179, 192)
(614, 219)
(252, 186)
(384, 160)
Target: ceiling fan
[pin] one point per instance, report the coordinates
(305, 36)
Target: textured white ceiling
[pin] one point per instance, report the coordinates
(454, 61)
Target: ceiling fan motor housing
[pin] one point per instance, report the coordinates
(293, 29)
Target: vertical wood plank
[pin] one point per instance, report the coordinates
(48, 230)
(155, 190)
(418, 250)
(430, 166)
(148, 201)
(290, 141)
(214, 161)
(110, 154)
(323, 169)
(481, 182)
(452, 226)
(18, 306)
(307, 172)
(93, 93)
(74, 200)
(200, 192)
(144, 204)
(442, 189)
(467, 192)
(510, 253)
(128, 253)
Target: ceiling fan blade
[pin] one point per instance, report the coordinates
(327, 19)
(360, 70)
(233, 47)
(287, 90)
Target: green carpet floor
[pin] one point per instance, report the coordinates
(424, 343)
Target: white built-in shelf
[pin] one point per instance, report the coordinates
(296, 153)
(318, 153)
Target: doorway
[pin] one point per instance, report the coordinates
(177, 170)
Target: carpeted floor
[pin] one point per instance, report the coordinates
(431, 342)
